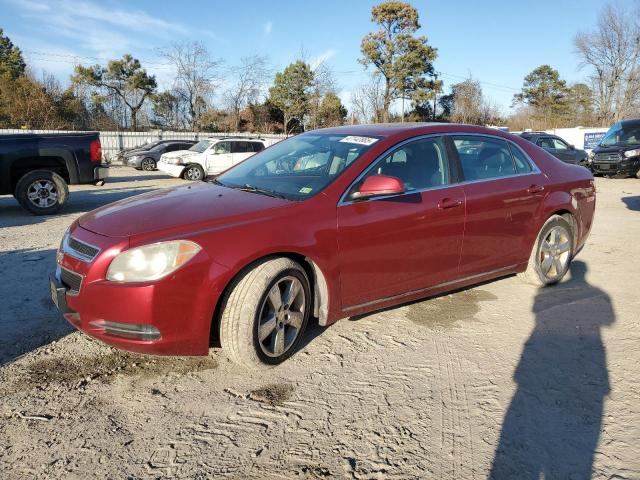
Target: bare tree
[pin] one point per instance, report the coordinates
(322, 84)
(250, 80)
(196, 76)
(368, 100)
(467, 104)
(612, 51)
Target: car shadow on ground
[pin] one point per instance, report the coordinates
(28, 318)
(553, 423)
(632, 203)
(12, 214)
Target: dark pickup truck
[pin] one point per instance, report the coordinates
(36, 168)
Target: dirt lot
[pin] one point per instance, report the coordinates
(502, 378)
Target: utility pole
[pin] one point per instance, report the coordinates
(435, 94)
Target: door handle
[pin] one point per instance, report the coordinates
(535, 189)
(449, 203)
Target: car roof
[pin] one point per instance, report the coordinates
(385, 130)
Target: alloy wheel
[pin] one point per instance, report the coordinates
(555, 252)
(43, 193)
(193, 173)
(148, 164)
(281, 316)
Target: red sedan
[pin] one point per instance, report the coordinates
(328, 224)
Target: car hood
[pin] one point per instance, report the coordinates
(177, 209)
(615, 149)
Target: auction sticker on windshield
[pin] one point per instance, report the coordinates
(359, 140)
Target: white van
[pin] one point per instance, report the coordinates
(209, 157)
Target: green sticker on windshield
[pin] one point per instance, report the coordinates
(305, 190)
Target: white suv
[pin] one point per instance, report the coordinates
(209, 157)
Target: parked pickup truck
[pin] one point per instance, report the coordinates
(36, 168)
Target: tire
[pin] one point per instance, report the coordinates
(638, 174)
(551, 255)
(193, 172)
(148, 164)
(251, 309)
(42, 192)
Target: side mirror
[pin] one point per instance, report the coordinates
(378, 185)
(572, 147)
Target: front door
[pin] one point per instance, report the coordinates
(397, 244)
(219, 158)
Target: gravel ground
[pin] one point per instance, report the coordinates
(501, 380)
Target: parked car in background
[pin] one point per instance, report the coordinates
(36, 168)
(618, 153)
(557, 147)
(327, 224)
(210, 157)
(147, 156)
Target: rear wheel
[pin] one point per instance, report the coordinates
(194, 173)
(148, 164)
(552, 253)
(265, 314)
(42, 192)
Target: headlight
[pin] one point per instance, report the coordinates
(134, 157)
(632, 153)
(175, 161)
(151, 262)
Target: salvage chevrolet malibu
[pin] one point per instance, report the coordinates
(328, 224)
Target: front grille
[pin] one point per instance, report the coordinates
(606, 157)
(71, 280)
(82, 248)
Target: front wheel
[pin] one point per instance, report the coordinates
(148, 164)
(42, 192)
(265, 313)
(552, 253)
(194, 173)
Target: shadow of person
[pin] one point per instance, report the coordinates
(552, 426)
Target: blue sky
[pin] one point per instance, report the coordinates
(497, 42)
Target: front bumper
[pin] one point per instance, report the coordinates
(133, 162)
(625, 167)
(169, 169)
(171, 316)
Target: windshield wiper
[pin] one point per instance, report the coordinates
(262, 191)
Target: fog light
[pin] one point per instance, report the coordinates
(134, 331)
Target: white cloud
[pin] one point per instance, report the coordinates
(268, 27)
(325, 56)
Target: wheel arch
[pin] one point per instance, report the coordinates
(317, 280)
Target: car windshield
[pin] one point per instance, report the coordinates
(622, 135)
(299, 167)
(201, 146)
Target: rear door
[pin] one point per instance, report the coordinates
(241, 150)
(393, 245)
(503, 191)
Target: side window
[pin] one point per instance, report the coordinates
(240, 147)
(483, 157)
(172, 147)
(559, 144)
(256, 146)
(222, 147)
(420, 164)
(546, 143)
(520, 160)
